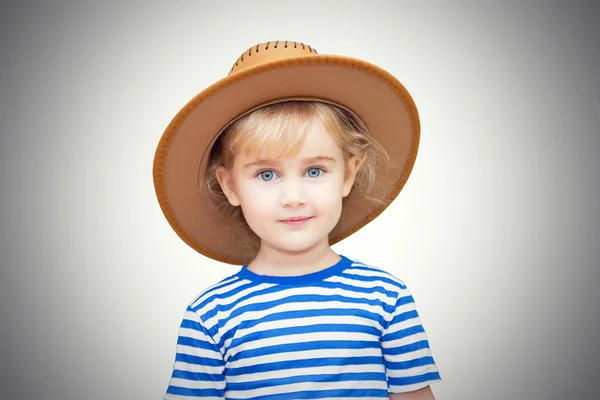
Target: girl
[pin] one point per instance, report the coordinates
(267, 168)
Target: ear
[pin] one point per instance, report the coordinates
(352, 166)
(227, 185)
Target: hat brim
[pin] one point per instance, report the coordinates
(377, 97)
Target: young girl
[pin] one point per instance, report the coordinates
(267, 168)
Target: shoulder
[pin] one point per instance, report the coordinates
(222, 290)
(395, 296)
(366, 271)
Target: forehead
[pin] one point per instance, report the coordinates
(313, 141)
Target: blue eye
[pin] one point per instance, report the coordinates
(314, 172)
(266, 175)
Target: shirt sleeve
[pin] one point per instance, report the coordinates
(408, 357)
(199, 366)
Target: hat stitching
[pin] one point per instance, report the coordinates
(241, 58)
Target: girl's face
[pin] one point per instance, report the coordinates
(292, 204)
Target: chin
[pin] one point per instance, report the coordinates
(294, 246)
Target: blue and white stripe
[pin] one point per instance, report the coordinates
(350, 331)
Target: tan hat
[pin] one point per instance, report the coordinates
(268, 73)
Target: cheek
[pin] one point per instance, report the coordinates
(255, 200)
(326, 198)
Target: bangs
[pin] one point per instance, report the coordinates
(276, 131)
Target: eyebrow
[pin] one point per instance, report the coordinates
(308, 160)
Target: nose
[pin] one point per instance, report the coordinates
(292, 193)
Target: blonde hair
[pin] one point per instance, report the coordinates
(266, 132)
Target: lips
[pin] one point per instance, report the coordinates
(295, 219)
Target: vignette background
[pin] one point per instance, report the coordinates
(496, 232)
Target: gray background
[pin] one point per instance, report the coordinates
(496, 232)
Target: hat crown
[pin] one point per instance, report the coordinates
(271, 51)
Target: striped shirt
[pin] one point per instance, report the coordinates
(349, 331)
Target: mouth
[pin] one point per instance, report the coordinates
(296, 221)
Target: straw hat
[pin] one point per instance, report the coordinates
(267, 73)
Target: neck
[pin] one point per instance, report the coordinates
(278, 262)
